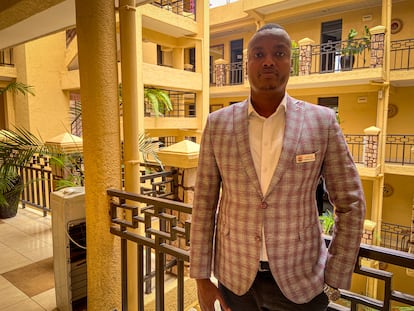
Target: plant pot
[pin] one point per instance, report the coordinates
(12, 197)
(347, 62)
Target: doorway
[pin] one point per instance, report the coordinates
(236, 61)
(331, 35)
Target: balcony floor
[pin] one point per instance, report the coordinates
(26, 245)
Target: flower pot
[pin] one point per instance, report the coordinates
(12, 197)
(347, 62)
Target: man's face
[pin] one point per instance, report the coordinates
(268, 62)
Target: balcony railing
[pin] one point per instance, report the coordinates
(184, 105)
(402, 54)
(227, 74)
(395, 236)
(167, 233)
(6, 57)
(399, 149)
(186, 8)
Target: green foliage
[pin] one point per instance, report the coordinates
(295, 59)
(354, 46)
(159, 100)
(149, 147)
(17, 87)
(327, 221)
(17, 147)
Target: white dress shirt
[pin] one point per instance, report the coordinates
(266, 140)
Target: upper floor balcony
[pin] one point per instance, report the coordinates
(326, 65)
(399, 154)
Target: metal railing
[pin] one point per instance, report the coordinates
(183, 105)
(399, 149)
(354, 301)
(186, 8)
(326, 57)
(166, 234)
(232, 74)
(402, 54)
(38, 180)
(356, 146)
(395, 236)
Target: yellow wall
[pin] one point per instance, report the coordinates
(402, 122)
(40, 64)
(397, 208)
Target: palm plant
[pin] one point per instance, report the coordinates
(17, 148)
(160, 101)
(17, 87)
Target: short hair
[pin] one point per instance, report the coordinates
(270, 26)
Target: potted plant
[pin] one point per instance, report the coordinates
(354, 46)
(11, 184)
(16, 150)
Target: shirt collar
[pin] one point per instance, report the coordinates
(282, 105)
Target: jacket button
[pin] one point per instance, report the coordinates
(263, 205)
(258, 238)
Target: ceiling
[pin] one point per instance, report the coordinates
(25, 20)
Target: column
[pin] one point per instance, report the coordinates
(377, 46)
(371, 146)
(96, 35)
(305, 56)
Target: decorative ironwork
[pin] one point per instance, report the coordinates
(395, 236)
(184, 105)
(399, 149)
(385, 255)
(166, 234)
(186, 8)
(402, 54)
(37, 176)
(356, 146)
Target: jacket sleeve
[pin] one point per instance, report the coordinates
(206, 196)
(345, 192)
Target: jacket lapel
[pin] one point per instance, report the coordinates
(295, 112)
(241, 131)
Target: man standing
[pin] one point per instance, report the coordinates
(255, 220)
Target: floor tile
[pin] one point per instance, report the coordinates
(47, 300)
(10, 295)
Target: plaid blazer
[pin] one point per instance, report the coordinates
(226, 225)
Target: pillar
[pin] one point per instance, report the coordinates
(377, 46)
(95, 26)
(305, 56)
(371, 146)
(220, 71)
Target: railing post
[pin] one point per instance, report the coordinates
(371, 146)
(377, 46)
(305, 56)
(220, 71)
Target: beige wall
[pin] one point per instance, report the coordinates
(402, 122)
(397, 207)
(40, 64)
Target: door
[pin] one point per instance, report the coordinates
(331, 34)
(236, 61)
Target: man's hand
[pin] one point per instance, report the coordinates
(208, 293)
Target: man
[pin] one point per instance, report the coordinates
(255, 220)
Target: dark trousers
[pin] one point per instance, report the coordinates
(265, 295)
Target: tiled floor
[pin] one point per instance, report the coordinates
(24, 239)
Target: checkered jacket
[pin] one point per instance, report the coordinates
(226, 225)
